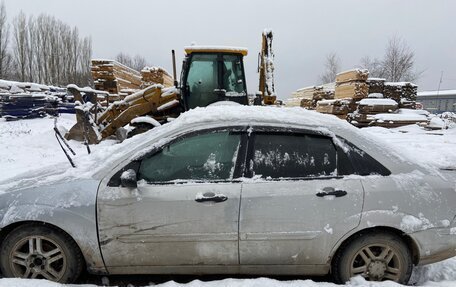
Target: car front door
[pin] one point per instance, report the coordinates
(298, 205)
(184, 210)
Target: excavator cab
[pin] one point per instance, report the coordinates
(213, 74)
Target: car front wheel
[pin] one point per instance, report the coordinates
(38, 251)
(374, 256)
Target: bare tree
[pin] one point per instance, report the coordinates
(20, 41)
(399, 61)
(137, 63)
(5, 56)
(49, 51)
(374, 66)
(397, 64)
(332, 67)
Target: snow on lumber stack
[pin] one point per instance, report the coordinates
(155, 75)
(354, 75)
(112, 76)
(373, 106)
(30, 100)
(394, 120)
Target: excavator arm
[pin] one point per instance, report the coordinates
(266, 69)
(94, 126)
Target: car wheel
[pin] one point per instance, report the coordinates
(38, 251)
(374, 256)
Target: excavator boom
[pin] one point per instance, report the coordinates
(266, 69)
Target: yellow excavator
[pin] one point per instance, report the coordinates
(209, 74)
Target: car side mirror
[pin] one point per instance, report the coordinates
(128, 179)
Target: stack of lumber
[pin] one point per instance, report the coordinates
(376, 85)
(394, 120)
(400, 90)
(24, 106)
(375, 106)
(368, 108)
(155, 75)
(352, 84)
(337, 107)
(309, 96)
(112, 76)
(308, 104)
(384, 113)
(407, 104)
(20, 100)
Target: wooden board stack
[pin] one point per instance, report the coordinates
(113, 77)
(307, 97)
(400, 90)
(376, 85)
(337, 107)
(352, 84)
(155, 75)
(367, 108)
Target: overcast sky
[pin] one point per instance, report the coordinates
(304, 32)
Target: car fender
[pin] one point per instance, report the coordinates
(70, 207)
(81, 229)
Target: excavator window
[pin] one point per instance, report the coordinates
(202, 80)
(233, 80)
(214, 77)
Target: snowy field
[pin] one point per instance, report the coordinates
(31, 144)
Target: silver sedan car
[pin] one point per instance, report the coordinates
(232, 190)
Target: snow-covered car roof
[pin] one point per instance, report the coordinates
(107, 155)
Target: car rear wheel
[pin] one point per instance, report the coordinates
(38, 251)
(374, 256)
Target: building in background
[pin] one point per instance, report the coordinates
(438, 101)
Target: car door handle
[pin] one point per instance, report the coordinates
(210, 196)
(331, 191)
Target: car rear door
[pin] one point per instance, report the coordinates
(297, 206)
(184, 211)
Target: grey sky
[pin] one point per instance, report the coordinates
(304, 32)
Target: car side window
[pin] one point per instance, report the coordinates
(284, 155)
(353, 160)
(209, 156)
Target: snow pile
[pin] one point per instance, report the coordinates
(429, 148)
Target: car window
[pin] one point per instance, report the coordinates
(353, 160)
(293, 156)
(209, 156)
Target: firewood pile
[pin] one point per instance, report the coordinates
(155, 75)
(113, 77)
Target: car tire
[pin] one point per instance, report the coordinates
(374, 256)
(39, 251)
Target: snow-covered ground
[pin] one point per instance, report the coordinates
(31, 144)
